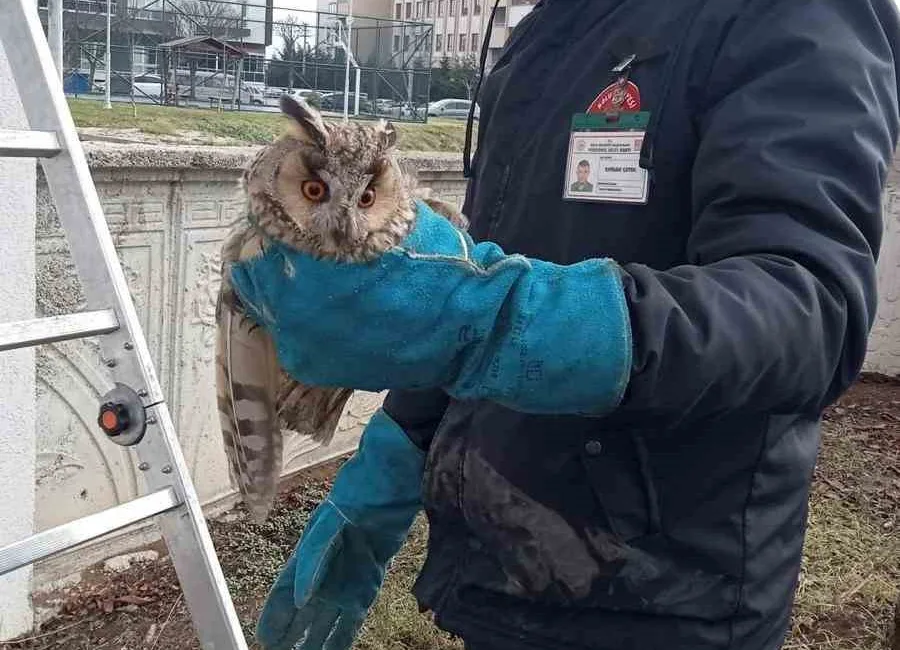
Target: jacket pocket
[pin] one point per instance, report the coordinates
(618, 470)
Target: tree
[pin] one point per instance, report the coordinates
(467, 74)
(207, 18)
(293, 39)
(296, 63)
(454, 78)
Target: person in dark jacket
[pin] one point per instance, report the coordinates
(608, 408)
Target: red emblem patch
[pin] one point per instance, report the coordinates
(616, 97)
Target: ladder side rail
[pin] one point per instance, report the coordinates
(125, 350)
(77, 204)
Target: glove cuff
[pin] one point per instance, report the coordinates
(380, 486)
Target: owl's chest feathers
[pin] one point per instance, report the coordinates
(271, 219)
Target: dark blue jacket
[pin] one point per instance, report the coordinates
(677, 522)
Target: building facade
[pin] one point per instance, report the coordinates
(460, 25)
(138, 27)
(457, 27)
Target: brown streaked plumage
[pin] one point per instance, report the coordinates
(331, 189)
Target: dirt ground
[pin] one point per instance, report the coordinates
(845, 600)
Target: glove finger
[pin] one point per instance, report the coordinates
(281, 617)
(278, 616)
(319, 626)
(345, 631)
(316, 551)
(281, 627)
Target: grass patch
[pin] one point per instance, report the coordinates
(395, 621)
(207, 126)
(851, 571)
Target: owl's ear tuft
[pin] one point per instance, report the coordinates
(386, 133)
(308, 118)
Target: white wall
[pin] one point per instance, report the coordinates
(17, 405)
(884, 343)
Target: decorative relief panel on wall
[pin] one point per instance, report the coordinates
(193, 376)
(78, 471)
(81, 472)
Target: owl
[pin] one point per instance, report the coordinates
(331, 189)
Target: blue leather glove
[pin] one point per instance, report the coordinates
(325, 590)
(438, 311)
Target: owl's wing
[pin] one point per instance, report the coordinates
(247, 377)
(447, 210)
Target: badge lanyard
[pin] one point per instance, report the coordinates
(603, 164)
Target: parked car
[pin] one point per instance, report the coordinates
(213, 86)
(148, 84)
(314, 97)
(455, 108)
(335, 102)
(394, 109)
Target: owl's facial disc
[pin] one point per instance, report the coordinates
(342, 219)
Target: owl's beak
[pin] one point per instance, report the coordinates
(341, 226)
(349, 228)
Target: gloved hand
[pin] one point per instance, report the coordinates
(438, 311)
(323, 593)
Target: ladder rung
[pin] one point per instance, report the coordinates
(28, 144)
(21, 334)
(60, 538)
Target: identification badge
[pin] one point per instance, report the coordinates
(604, 158)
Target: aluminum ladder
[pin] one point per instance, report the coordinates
(134, 413)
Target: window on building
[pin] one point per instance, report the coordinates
(475, 42)
(464, 7)
(429, 6)
(398, 10)
(500, 17)
(440, 8)
(450, 41)
(476, 7)
(452, 8)
(462, 42)
(396, 42)
(419, 9)
(406, 41)
(409, 10)
(438, 43)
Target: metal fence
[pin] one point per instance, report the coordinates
(243, 54)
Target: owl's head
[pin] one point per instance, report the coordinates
(333, 187)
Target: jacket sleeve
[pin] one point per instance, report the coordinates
(796, 134)
(417, 412)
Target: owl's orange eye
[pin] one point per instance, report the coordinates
(367, 200)
(315, 191)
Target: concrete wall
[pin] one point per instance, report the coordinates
(168, 209)
(17, 408)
